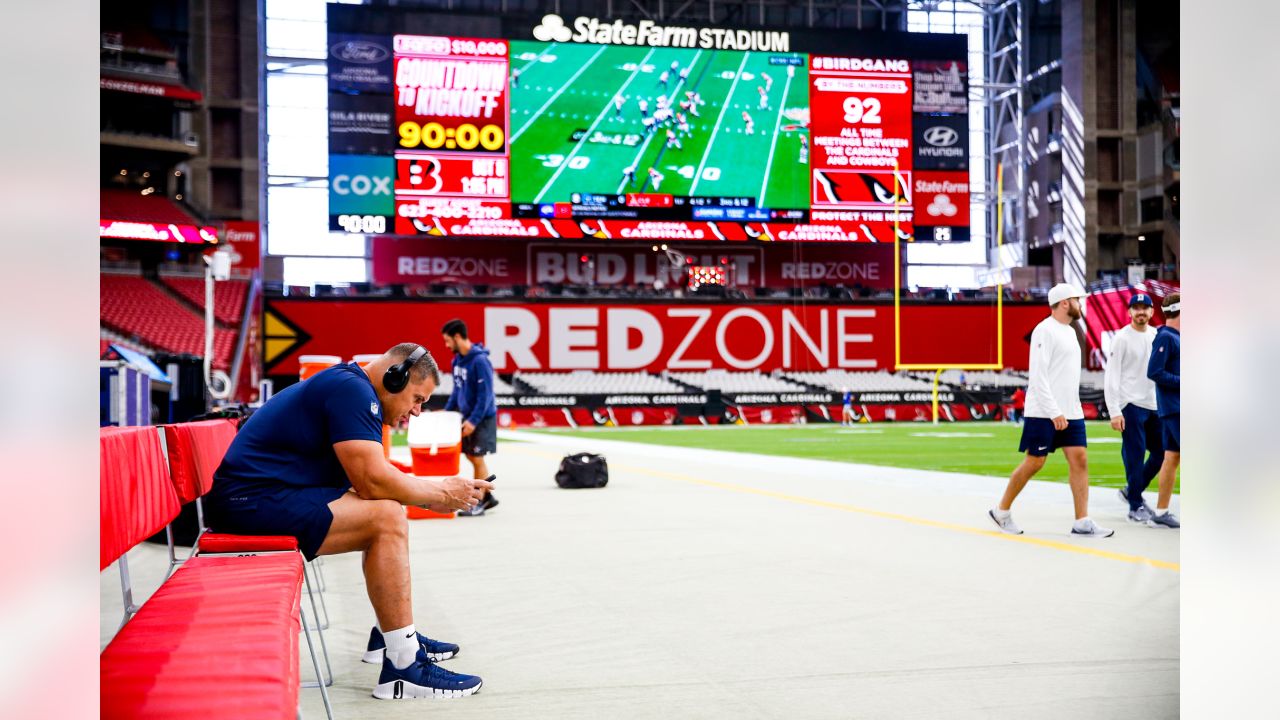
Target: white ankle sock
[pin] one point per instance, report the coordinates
(402, 646)
(1002, 514)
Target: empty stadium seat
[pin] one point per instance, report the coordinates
(129, 205)
(588, 382)
(134, 306)
(445, 387)
(861, 381)
(228, 295)
(736, 382)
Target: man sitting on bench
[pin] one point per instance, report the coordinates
(309, 463)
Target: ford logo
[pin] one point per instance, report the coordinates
(360, 51)
(941, 136)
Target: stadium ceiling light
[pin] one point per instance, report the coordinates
(1141, 238)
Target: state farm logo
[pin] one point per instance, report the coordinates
(360, 51)
(941, 136)
(942, 206)
(552, 29)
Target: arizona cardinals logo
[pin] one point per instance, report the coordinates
(435, 228)
(840, 189)
(762, 234)
(598, 231)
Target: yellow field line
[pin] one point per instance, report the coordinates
(924, 522)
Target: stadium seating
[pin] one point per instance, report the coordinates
(735, 382)
(203, 627)
(604, 383)
(130, 205)
(1093, 379)
(228, 295)
(107, 338)
(136, 307)
(984, 378)
(445, 387)
(871, 381)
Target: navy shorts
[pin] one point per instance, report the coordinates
(302, 512)
(484, 440)
(1039, 438)
(1169, 431)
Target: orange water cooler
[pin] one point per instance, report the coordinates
(309, 365)
(435, 443)
(363, 361)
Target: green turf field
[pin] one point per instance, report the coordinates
(986, 448)
(567, 91)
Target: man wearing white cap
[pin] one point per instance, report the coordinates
(1054, 416)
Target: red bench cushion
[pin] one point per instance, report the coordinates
(224, 543)
(136, 498)
(195, 451)
(218, 639)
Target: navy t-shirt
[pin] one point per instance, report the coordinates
(289, 440)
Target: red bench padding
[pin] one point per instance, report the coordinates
(219, 639)
(223, 543)
(195, 451)
(137, 498)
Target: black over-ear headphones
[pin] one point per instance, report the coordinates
(396, 378)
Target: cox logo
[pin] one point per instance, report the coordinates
(941, 136)
(360, 51)
(361, 185)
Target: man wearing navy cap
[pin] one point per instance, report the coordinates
(1131, 402)
(1165, 369)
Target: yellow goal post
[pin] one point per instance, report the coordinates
(897, 294)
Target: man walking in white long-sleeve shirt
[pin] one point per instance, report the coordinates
(1131, 402)
(1054, 416)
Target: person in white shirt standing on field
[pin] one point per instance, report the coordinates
(1131, 402)
(1054, 417)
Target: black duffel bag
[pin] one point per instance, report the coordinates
(583, 470)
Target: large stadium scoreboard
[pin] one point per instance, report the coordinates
(609, 130)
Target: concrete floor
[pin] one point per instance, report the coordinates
(720, 585)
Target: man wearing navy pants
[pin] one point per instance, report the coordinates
(1165, 369)
(1131, 402)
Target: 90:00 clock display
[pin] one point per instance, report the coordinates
(433, 135)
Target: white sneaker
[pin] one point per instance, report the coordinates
(1006, 525)
(1090, 528)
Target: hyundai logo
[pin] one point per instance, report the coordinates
(941, 136)
(360, 51)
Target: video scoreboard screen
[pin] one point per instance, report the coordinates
(587, 128)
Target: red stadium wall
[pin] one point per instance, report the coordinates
(655, 337)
